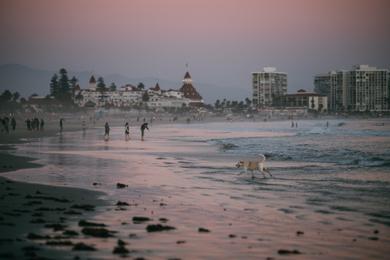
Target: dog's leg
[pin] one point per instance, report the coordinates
(267, 171)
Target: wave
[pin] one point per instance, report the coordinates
(284, 150)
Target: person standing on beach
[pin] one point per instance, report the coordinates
(127, 131)
(292, 124)
(28, 124)
(42, 124)
(143, 127)
(106, 131)
(83, 125)
(13, 123)
(296, 124)
(327, 124)
(61, 124)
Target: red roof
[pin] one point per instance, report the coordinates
(156, 88)
(190, 92)
(92, 79)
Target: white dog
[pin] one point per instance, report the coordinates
(254, 165)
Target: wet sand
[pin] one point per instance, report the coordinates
(35, 219)
(182, 198)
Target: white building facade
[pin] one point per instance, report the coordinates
(364, 88)
(268, 85)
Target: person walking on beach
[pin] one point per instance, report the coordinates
(127, 131)
(42, 124)
(292, 124)
(327, 124)
(61, 124)
(13, 123)
(143, 127)
(296, 124)
(28, 124)
(106, 131)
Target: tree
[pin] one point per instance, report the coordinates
(112, 87)
(54, 86)
(101, 86)
(217, 103)
(141, 86)
(73, 84)
(223, 103)
(248, 102)
(15, 96)
(64, 86)
(6, 96)
(145, 97)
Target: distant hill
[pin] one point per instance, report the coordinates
(27, 81)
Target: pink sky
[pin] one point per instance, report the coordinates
(223, 40)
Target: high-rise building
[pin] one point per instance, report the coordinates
(363, 88)
(268, 85)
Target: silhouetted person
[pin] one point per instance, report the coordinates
(13, 123)
(4, 122)
(42, 124)
(61, 124)
(84, 125)
(127, 131)
(36, 123)
(106, 131)
(327, 124)
(143, 127)
(28, 124)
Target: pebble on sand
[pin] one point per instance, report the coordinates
(85, 223)
(140, 219)
(158, 228)
(288, 252)
(203, 230)
(121, 185)
(122, 203)
(83, 247)
(97, 232)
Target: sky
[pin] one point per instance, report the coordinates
(223, 41)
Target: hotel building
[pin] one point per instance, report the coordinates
(363, 88)
(268, 85)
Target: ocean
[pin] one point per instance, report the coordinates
(331, 184)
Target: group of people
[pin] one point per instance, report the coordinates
(294, 124)
(7, 123)
(143, 127)
(35, 124)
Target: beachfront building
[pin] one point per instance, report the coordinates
(364, 88)
(190, 92)
(304, 100)
(120, 98)
(268, 85)
(131, 96)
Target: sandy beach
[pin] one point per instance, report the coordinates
(177, 195)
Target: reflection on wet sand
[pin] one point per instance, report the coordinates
(315, 209)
